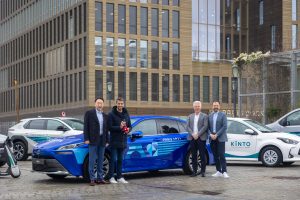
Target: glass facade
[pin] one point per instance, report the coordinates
(217, 34)
(294, 9)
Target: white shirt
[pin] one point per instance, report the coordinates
(196, 119)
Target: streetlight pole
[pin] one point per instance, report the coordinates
(235, 75)
(17, 101)
(109, 89)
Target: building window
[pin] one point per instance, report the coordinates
(165, 2)
(99, 83)
(165, 23)
(196, 88)
(121, 52)
(175, 2)
(98, 52)
(165, 87)
(132, 53)
(154, 21)
(165, 55)
(176, 20)
(110, 17)
(154, 55)
(261, 12)
(215, 88)
(186, 88)
(110, 51)
(122, 19)
(110, 77)
(98, 15)
(238, 19)
(144, 86)
(294, 36)
(176, 60)
(273, 37)
(155, 87)
(143, 1)
(206, 88)
(228, 47)
(294, 10)
(225, 89)
(144, 21)
(121, 84)
(154, 1)
(133, 86)
(71, 28)
(144, 53)
(132, 19)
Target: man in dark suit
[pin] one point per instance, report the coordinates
(218, 136)
(96, 136)
(119, 125)
(197, 124)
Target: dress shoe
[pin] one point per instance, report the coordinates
(193, 175)
(202, 174)
(92, 183)
(102, 182)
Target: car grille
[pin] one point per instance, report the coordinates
(46, 165)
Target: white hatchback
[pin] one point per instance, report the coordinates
(26, 134)
(249, 140)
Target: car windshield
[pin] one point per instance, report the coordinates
(262, 128)
(75, 124)
(133, 120)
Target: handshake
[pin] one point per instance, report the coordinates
(124, 127)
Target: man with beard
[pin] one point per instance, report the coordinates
(119, 125)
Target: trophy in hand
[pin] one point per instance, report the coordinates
(125, 129)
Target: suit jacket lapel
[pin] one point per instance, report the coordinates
(96, 117)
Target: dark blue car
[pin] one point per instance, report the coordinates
(155, 143)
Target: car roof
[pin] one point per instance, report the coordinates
(60, 118)
(143, 117)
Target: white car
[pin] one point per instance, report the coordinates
(26, 134)
(289, 123)
(249, 140)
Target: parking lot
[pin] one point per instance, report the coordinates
(247, 181)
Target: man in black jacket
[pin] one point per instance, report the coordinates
(119, 125)
(96, 136)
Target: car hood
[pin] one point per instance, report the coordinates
(2, 138)
(58, 142)
(283, 135)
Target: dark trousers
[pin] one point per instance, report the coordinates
(218, 149)
(198, 145)
(116, 155)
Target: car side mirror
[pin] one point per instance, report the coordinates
(137, 134)
(284, 122)
(61, 128)
(250, 132)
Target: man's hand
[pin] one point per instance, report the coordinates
(213, 136)
(87, 142)
(195, 136)
(106, 145)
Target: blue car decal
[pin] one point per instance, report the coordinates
(39, 139)
(248, 156)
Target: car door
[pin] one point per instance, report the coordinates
(291, 124)
(141, 153)
(240, 146)
(172, 143)
(35, 130)
(54, 128)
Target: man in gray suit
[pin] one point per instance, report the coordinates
(197, 124)
(218, 136)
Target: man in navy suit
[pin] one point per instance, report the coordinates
(96, 136)
(218, 136)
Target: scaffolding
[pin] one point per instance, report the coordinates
(270, 88)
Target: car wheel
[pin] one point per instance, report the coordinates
(287, 163)
(2, 163)
(106, 166)
(188, 167)
(271, 156)
(20, 151)
(56, 176)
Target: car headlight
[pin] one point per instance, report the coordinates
(71, 146)
(288, 141)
